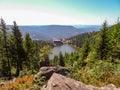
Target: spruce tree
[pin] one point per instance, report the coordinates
(115, 42)
(44, 58)
(5, 51)
(36, 56)
(61, 60)
(85, 51)
(55, 60)
(29, 51)
(20, 55)
(102, 46)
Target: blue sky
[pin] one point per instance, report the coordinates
(63, 12)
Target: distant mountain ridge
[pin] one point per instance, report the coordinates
(88, 28)
(48, 32)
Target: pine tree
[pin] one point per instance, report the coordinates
(55, 60)
(36, 56)
(44, 58)
(47, 60)
(5, 52)
(20, 55)
(29, 51)
(12, 51)
(115, 42)
(85, 51)
(102, 47)
(61, 60)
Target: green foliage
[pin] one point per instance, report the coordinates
(56, 61)
(39, 80)
(29, 52)
(85, 51)
(99, 73)
(26, 72)
(18, 54)
(71, 59)
(102, 46)
(97, 62)
(18, 42)
(79, 39)
(101, 56)
(114, 42)
(61, 60)
(5, 59)
(44, 58)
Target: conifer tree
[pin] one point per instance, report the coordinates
(29, 50)
(85, 51)
(102, 46)
(20, 56)
(115, 42)
(5, 51)
(36, 56)
(55, 60)
(44, 58)
(61, 60)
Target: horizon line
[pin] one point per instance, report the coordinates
(58, 24)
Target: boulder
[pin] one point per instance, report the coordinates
(59, 82)
(48, 71)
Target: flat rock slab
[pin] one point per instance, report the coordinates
(60, 82)
(48, 71)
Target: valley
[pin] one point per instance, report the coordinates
(48, 32)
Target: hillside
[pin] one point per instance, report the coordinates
(53, 31)
(79, 39)
(47, 32)
(88, 28)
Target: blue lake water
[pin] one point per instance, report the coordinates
(63, 49)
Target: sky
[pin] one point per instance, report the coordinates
(62, 12)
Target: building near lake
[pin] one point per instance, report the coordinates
(57, 42)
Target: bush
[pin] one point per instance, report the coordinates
(99, 74)
(20, 83)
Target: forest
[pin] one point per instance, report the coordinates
(18, 53)
(97, 62)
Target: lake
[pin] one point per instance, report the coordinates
(63, 49)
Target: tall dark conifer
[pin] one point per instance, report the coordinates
(18, 47)
(61, 60)
(29, 50)
(5, 52)
(115, 42)
(102, 46)
(85, 51)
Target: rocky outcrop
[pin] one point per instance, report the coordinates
(59, 82)
(48, 71)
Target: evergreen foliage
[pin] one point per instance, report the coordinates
(18, 42)
(97, 62)
(102, 47)
(61, 60)
(44, 58)
(85, 51)
(99, 59)
(18, 54)
(29, 52)
(4, 50)
(79, 39)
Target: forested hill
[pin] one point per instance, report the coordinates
(78, 40)
(98, 62)
(48, 32)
